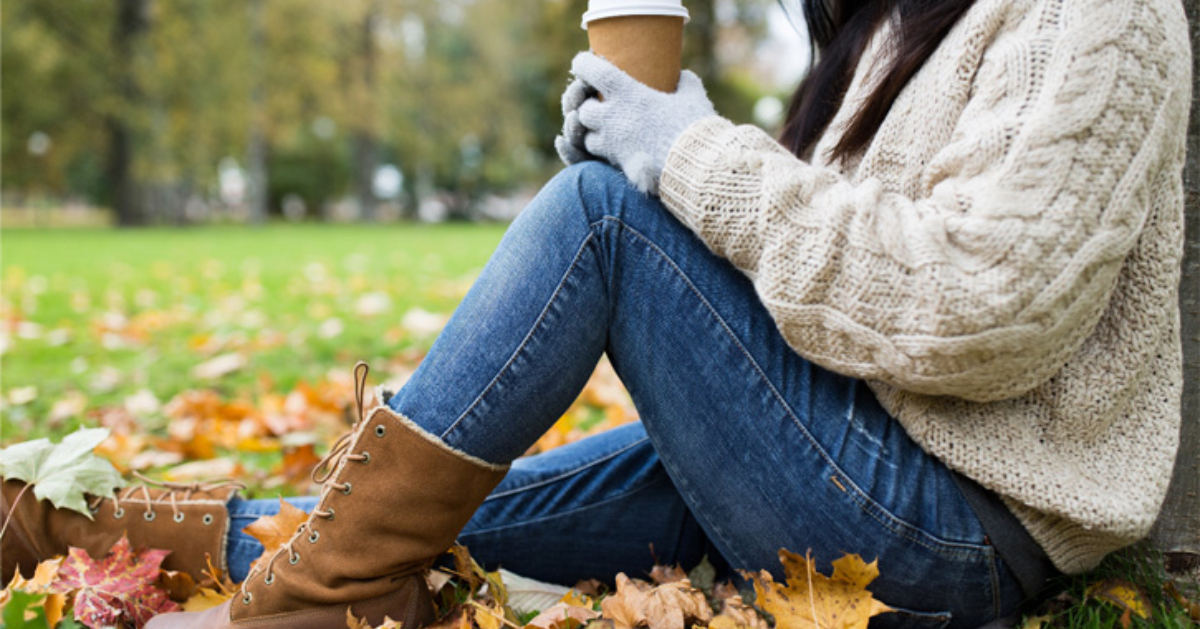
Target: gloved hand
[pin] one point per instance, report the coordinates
(570, 145)
(634, 127)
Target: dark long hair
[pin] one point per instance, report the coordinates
(839, 31)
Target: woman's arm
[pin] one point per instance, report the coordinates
(985, 285)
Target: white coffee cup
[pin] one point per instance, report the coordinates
(603, 9)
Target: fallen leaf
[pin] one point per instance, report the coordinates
(670, 606)
(667, 574)
(179, 586)
(563, 616)
(354, 622)
(275, 530)
(736, 614)
(1035, 622)
(526, 595)
(205, 598)
(116, 589)
(45, 573)
(214, 368)
(296, 467)
(62, 473)
(487, 616)
(1122, 594)
(812, 600)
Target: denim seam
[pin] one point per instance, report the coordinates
(559, 514)
(546, 481)
(956, 550)
(524, 342)
(946, 547)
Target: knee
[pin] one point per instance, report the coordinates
(601, 189)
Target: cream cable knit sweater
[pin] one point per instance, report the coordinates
(1001, 263)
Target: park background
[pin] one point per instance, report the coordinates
(210, 209)
(312, 183)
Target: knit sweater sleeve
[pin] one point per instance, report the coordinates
(983, 284)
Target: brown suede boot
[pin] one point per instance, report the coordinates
(190, 520)
(395, 498)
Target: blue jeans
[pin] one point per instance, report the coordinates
(744, 446)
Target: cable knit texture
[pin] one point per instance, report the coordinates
(1001, 263)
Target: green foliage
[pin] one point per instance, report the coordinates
(63, 473)
(460, 95)
(13, 615)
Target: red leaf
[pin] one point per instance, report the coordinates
(116, 589)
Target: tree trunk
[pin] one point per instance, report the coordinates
(1177, 532)
(130, 25)
(366, 157)
(257, 192)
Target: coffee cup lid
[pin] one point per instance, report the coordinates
(601, 9)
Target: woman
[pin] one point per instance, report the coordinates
(936, 324)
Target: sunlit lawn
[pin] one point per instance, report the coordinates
(93, 317)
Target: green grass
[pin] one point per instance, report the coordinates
(263, 292)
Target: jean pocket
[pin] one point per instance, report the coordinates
(909, 619)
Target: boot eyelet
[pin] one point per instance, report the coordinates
(313, 537)
(119, 512)
(94, 509)
(347, 489)
(208, 519)
(247, 597)
(366, 457)
(294, 559)
(149, 515)
(380, 430)
(331, 513)
(270, 579)
(179, 517)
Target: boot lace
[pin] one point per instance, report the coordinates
(322, 474)
(174, 494)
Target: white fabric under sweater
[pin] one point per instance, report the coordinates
(1001, 263)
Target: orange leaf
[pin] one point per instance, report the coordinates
(43, 576)
(811, 600)
(275, 530)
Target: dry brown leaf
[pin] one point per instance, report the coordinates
(275, 530)
(179, 586)
(669, 606)
(562, 616)
(811, 600)
(590, 587)
(735, 614)
(667, 574)
(388, 623)
(724, 590)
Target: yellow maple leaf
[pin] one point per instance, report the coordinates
(205, 598)
(811, 600)
(1122, 594)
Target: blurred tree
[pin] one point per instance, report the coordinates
(143, 104)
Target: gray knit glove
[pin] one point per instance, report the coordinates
(570, 145)
(634, 127)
